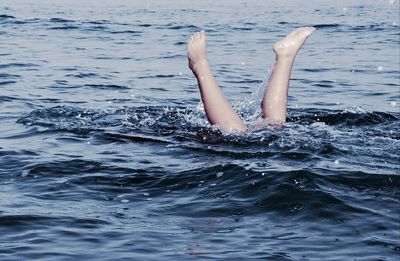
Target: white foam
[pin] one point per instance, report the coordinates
(25, 173)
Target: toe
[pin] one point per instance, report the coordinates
(202, 34)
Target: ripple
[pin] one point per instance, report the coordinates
(82, 75)
(131, 32)
(65, 27)
(60, 20)
(7, 82)
(19, 65)
(9, 76)
(107, 86)
(3, 16)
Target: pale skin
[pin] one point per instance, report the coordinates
(274, 104)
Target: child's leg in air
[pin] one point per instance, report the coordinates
(218, 110)
(275, 97)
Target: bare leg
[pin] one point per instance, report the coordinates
(275, 97)
(218, 110)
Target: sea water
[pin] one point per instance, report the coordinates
(106, 153)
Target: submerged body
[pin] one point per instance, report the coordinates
(274, 104)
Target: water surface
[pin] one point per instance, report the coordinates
(106, 153)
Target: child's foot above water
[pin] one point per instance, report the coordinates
(290, 45)
(197, 50)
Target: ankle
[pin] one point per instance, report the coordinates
(286, 59)
(199, 65)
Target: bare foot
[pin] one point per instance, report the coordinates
(197, 50)
(290, 45)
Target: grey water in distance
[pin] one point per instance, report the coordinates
(106, 154)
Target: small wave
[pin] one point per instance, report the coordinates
(301, 117)
(96, 28)
(7, 98)
(180, 43)
(373, 27)
(83, 75)
(242, 28)
(9, 76)
(158, 76)
(65, 27)
(107, 86)
(3, 16)
(131, 32)
(13, 20)
(175, 26)
(144, 25)
(99, 22)
(24, 221)
(322, 26)
(7, 65)
(60, 20)
(308, 136)
(7, 82)
(319, 70)
(344, 118)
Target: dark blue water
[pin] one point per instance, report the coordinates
(106, 154)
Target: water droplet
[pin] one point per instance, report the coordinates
(393, 104)
(238, 212)
(25, 173)
(379, 68)
(337, 162)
